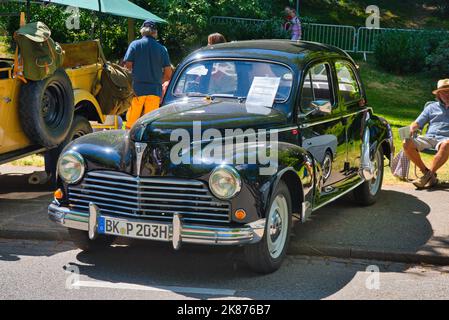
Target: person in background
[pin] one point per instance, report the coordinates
(437, 137)
(293, 24)
(166, 84)
(215, 38)
(150, 65)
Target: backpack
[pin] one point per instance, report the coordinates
(400, 166)
(40, 55)
(116, 93)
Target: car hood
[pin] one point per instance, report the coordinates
(205, 114)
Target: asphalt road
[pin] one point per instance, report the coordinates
(137, 270)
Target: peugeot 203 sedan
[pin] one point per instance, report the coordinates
(251, 136)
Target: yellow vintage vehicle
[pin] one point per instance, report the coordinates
(70, 93)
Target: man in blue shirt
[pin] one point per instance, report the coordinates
(150, 65)
(437, 136)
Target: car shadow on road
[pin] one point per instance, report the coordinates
(16, 186)
(398, 221)
(31, 248)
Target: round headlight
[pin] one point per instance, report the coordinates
(225, 182)
(71, 167)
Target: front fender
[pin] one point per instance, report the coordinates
(294, 166)
(381, 135)
(82, 95)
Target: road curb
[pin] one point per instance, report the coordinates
(367, 254)
(303, 249)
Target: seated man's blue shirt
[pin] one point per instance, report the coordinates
(149, 58)
(437, 115)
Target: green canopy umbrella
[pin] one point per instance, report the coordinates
(122, 8)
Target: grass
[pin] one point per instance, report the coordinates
(394, 14)
(399, 99)
(35, 160)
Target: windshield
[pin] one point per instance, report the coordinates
(231, 79)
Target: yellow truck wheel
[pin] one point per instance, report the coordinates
(80, 127)
(46, 109)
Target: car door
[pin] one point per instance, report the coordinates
(353, 106)
(322, 131)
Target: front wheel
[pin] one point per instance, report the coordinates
(368, 192)
(267, 255)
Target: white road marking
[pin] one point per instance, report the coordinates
(129, 286)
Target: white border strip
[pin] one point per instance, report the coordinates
(129, 286)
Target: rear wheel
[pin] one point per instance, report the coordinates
(81, 240)
(327, 165)
(267, 255)
(368, 193)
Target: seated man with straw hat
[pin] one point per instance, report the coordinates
(437, 137)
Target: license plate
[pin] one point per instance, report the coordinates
(131, 229)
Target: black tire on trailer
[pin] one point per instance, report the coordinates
(80, 127)
(46, 109)
(81, 240)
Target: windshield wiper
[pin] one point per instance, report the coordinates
(214, 96)
(194, 95)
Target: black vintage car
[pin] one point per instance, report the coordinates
(300, 105)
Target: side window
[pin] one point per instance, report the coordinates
(317, 86)
(347, 82)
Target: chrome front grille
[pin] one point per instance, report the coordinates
(152, 198)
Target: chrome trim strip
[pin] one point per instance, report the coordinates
(132, 186)
(205, 196)
(134, 203)
(177, 230)
(311, 124)
(339, 196)
(181, 233)
(140, 149)
(93, 220)
(157, 205)
(119, 176)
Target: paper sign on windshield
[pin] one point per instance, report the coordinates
(263, 92)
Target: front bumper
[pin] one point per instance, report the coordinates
(182, 233)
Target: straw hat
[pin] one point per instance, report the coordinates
(443, 85)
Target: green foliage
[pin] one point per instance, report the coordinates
(270, 29)
(439, 59)
(404, 52)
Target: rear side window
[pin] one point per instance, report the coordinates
(349, 87)
(317, 86)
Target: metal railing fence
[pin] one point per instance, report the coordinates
(348, 38)
(343, 37)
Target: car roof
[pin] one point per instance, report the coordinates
(290, 52)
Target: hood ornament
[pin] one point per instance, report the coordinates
(140, 150)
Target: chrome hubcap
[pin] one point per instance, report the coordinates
(375, 182)
(327, 167)
(277, 226)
